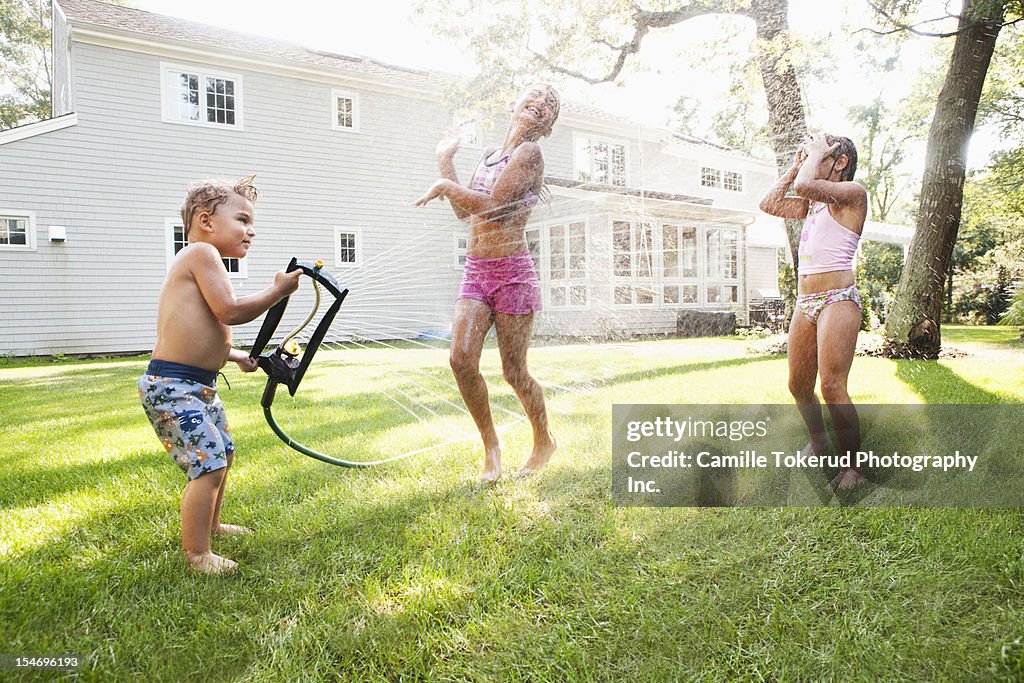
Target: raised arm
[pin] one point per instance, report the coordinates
(776, 203)
(446, 150)
(844, 193)
(207, 269)
(523, 173)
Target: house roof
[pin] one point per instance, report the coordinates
(603, 188)
(122, 19)
(127, 19)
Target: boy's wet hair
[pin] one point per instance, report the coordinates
(846, 147)
(209, 194)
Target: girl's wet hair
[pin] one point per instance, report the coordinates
(551, 98)
(209, 194)
(846, 147)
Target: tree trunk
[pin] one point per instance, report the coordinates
(786, 118)
(912, 329)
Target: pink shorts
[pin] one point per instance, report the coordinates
(507, 284)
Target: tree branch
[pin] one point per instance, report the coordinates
(643, 21)
(913, 28)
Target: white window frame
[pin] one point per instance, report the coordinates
(578, 169)
(544, 265)
(679, 280)
(169, 226)
(711, 177)
(737, 176)
(336, 94)
(715, 278)
(461, 250)
(634, 281)
(358, 234)
(169, 69)
(469, 125)
(30, 229)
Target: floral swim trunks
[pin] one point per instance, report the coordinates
(811, 305)
(182, 405)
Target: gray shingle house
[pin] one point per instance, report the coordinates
(642, 223)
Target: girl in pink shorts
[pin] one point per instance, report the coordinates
(500, 286)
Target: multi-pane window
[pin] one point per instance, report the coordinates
(600, 161)
(185, 102)
(346, 247)
(220, 101)
(533, 244)
(710, 177)
(674, 264)
(461, 249)
(722, 253)
(192, 96)
(633, 262)
(567, 265)
(722, 265)
(469, 131)
(733, 181)
(715, 177)
(679, 264)
(179, 241)
(346, 110)
(14, 231)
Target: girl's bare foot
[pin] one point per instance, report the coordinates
(542, 452)
(814, 448)
(847, 479)
(208, 563)
(492, 465)
(232, 530)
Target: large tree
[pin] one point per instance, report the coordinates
(913, 326)
(592, 40)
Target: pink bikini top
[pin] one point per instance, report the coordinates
(487, 174)
(825, 245)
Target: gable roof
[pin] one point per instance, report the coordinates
(120, 19)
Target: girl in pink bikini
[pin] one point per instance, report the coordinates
(500, 285)
(823, 332)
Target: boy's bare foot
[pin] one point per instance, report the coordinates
(492, 465)
(542, 452)
(209, 563)
(232, 530)
(847, 479)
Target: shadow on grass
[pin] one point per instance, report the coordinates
(38, 485)
(936, 383)
(684, 369)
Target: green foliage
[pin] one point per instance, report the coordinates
(1002, 102)
(1014, 314)
(989, 255)
(986, 302)
(25, 66)
(787, 282)
(24, 61)
(879, 268)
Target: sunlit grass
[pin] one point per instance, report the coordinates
(413, 571)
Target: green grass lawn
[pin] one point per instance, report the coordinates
(411, 571)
